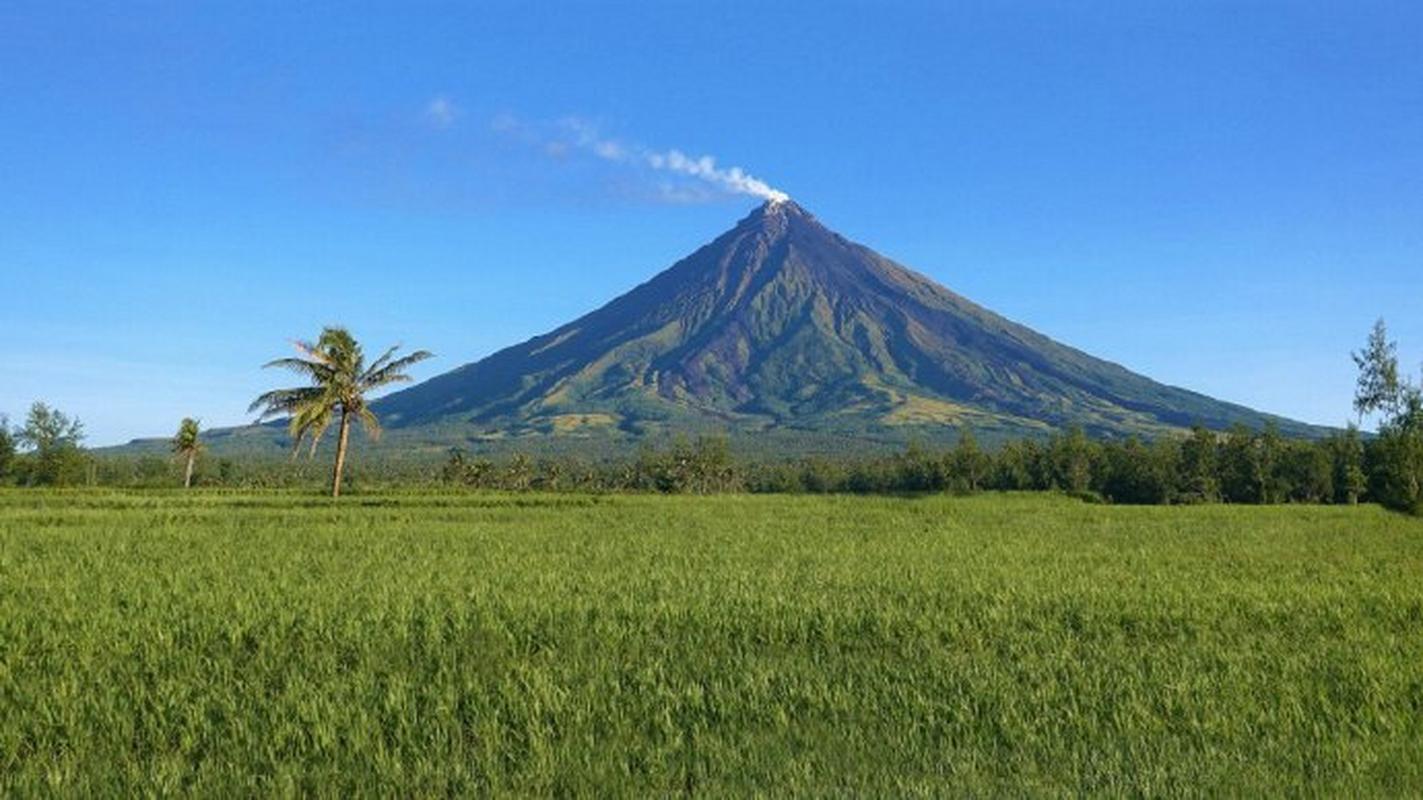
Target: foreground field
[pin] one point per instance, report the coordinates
(245, 644)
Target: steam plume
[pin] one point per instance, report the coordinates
(733, 179)
(577, 133)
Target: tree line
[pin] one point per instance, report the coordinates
(1237, 466)
(1241, 466)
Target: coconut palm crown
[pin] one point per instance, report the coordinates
(340, 379)
(187, 445)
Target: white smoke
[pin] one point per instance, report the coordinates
(574, 132)
(733, 179)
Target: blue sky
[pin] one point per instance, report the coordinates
(1221, 196)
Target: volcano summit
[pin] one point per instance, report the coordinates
(781, 327)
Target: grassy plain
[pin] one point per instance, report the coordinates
(241, 644)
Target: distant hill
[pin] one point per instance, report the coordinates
(787, 334)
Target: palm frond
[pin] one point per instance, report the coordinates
(393, 372)
(301, 366)
(370, 422)
(312, 350)
(311, 418)
(380, 363)
(315, 432)
(300, 433)
(284, 401)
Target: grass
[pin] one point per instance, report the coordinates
(236, 644)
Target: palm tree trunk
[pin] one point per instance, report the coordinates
(188, 473)
(340, 455)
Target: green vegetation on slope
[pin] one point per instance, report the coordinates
(417, 644)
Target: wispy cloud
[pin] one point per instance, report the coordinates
(574, 135)
(441, 112)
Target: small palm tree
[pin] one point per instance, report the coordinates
(340, 380)
(187, 446)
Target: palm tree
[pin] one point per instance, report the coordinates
(340, 380)
(187, 445)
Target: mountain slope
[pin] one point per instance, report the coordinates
(781, 324)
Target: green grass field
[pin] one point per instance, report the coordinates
(452, 644)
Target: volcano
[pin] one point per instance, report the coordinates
(781, 325)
